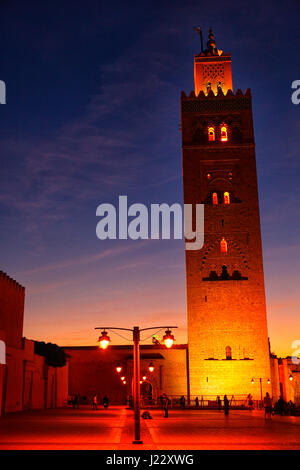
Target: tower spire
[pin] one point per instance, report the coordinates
(211, 43)
(212, 68)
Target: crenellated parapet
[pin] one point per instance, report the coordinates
(212, 95)
(212, 112)
(12, 298)
(211, 102)
(5, 278)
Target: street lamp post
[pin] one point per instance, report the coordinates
(136, 385)
(260, 383)
(104, 341)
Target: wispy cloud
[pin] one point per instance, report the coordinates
(116, 251)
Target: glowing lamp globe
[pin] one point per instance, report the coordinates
(123, 378)
(119, 368)
(104, 340)
(291, 377)
(144, 377)
(252, 381)
(151, 367)
(168, 339)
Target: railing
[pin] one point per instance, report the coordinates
(204, 402)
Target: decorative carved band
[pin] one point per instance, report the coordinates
(211, 106)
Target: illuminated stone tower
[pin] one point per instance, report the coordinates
(227, 326)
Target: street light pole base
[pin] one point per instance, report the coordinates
(137, 442)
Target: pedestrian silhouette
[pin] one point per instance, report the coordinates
(197, 402)
(219, 403)
(226, 405)
(95, 402)
(281, 405)
(105, 401)
(75, 400)
(250, 402)
(182, 401)
(166, 402)
(268, 406)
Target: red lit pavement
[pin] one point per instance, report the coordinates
(112, 429)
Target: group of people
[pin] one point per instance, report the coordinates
(286, 408)
(75, 399)
(219, 403)
(281, 407)
(165, 402)
(105, 402)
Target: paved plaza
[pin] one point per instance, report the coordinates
(112, 429)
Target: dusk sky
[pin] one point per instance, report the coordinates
(93, 112)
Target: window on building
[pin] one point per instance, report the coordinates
(224, 135)
(215, 198)
(226, 197)
(223, 245)
(228, 353)
(211, 134)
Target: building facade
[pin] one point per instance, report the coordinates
(26, 381)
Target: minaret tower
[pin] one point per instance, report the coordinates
(227, 325)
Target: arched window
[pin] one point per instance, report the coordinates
(211, 134)
(228, 353)
(224, 136)
(208, 86)
(223, 245)
(215, 198)
(226, 197)
(224, 274)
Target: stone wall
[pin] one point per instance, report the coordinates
(26, 382)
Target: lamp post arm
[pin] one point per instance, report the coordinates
(157, 327)
(112, 328)
(130, 329)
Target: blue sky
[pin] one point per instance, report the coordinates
(92, 112)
